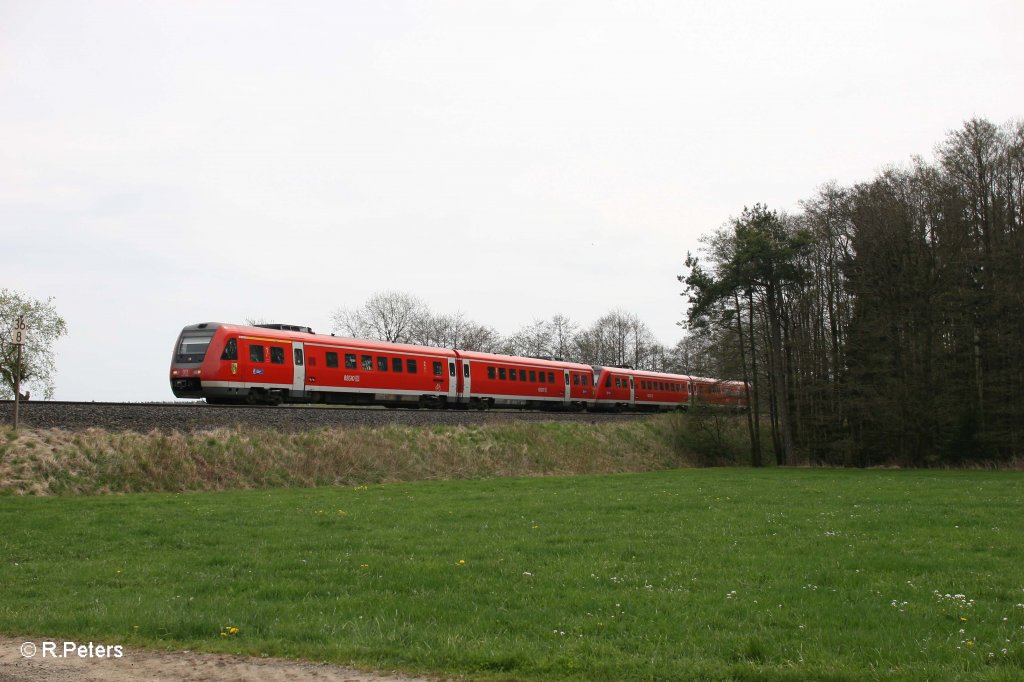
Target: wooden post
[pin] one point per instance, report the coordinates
(17, 386)
(19, 337)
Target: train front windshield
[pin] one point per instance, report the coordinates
(192, 348)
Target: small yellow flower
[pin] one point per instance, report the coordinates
(462, 562)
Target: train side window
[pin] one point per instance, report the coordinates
(438, 368)
(451, 368)
(256, 353)
(575, 379)
(585, 380)
(350, 361)
(367, 363)
(513, 375)
(276, 355)
(230, 350)
(631, 383)
(465, 370)
(617, 385)
(396, 364)
(331, 358)
(382, 363)
(298, 356)
(410, 366)
(608, 382)
(543, 379)
(551, 377)
(491, 373)
(566, 379)
(533, 375)
(501, 373)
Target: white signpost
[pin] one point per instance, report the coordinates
(18, 338)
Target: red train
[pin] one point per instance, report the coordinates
(275, 364)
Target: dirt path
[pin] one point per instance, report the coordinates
(154, 666)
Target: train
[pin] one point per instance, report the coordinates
(280, 363)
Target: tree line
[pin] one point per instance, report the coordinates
(883, 322)
(618, 338)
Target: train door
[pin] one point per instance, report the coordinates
(453, 381)
(467, 387)
(568, 387)
(299, 368)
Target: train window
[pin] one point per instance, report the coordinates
(566, 379)
(617, 383)
(256, 353)
(396, 364)
(585, 380)
(382, 363)
(491, 373)
(513, 375)
(541, 376)
(350, 361)
(298, 356)
(410, 366)
(551, 377)
(438, 368)
(451, 368)
(501, 373)
(631, 383)
(575, 379)
(277, 355)
(367, 363)
(608, 382)
(465, 370)
(331, 358)
(230, 350)
(533, 376)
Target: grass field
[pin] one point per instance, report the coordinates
(690, 574)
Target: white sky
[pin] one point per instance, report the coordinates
(166, 163)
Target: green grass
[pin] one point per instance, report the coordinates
(692, 574)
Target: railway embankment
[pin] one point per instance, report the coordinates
(198, 416)
(61, 461)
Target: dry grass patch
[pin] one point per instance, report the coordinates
(96, 461)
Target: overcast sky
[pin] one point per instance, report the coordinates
(166, 163)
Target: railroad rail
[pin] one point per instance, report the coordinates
(198, 416)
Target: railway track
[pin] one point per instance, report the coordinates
(198, 416)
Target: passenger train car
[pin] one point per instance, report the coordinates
(273, 364)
